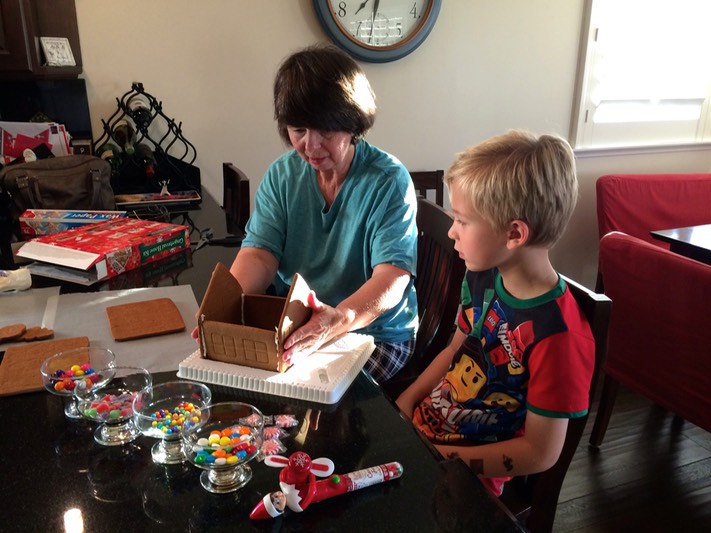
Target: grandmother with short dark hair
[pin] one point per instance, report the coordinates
(338, 211)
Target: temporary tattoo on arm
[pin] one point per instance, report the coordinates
(476, 465)
(508, 463)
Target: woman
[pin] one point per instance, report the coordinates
(338, 211)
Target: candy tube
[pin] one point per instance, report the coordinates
(272, 505)
(360, 479)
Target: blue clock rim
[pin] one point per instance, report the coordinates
(374, 56)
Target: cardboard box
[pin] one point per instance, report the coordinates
(249, 329)
(36, 222)
(95, 252)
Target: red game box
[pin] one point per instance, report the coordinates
(36, 222)
(99, 251)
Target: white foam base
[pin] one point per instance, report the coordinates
(322, 377)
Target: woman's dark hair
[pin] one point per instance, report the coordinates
(323, 88)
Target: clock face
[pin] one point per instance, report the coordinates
(375, 23)
(378, 30)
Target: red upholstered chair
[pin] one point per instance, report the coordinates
(636, 204)
(659, 338)
(639, 203)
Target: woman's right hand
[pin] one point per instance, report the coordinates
(326, 323)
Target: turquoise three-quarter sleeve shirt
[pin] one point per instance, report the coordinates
(371, 222)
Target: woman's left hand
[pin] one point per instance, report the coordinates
(325, 324)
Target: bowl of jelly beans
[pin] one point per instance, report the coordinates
(64, 371)
(112, 406)
(161, 411)
(221, 442)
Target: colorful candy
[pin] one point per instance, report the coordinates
(171, 421)
(225, 447)
(110, 407)
(66, 380)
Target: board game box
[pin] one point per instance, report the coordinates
(36, 222)
(95, 252)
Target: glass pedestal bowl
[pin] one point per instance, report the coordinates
(111, 406)
(160, 412)
(221, 442)
(63, 371)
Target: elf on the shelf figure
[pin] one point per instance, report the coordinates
(297, 481)
(299, 487)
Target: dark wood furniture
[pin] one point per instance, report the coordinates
(22, 23)
(429, 180)
(235, 204)
(534, 498)
(121, 489)
(440, 272)
(692, 241)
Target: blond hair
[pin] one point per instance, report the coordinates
(518, 176)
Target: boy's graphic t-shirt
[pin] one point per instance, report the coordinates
(535, 354)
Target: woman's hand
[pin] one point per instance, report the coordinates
(326, 323)
(381, 292)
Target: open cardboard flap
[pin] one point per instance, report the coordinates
(248, 329)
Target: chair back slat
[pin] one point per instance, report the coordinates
(438, 282)
(533, 499)
(440, 271)
(428, 180)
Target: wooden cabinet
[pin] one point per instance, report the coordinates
(22, 23)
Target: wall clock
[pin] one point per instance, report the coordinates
(378, 30)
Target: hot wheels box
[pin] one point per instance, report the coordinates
(95, 252)
(35, 222)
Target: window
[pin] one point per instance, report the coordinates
(646, 77)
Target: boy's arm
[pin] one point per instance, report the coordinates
(537, 450)
(429, 378)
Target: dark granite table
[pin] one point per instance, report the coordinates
(692, 241)
(51, 465)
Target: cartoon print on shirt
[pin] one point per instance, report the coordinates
(466, 378)
(501, 399)
(511, 345)
(484, 395)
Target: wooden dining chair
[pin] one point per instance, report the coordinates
(235, 203)
(440, 272)
(534, 498)
(429, 180)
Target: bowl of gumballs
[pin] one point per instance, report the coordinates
(112, 405)
(160, 412)
(62, 372)
(221, 441)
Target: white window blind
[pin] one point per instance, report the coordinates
(646, 78)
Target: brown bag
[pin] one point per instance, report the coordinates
(67, 182)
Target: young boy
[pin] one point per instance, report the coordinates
(520, 363)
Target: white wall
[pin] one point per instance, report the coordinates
(488, 66)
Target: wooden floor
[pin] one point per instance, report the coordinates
(651, 474)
